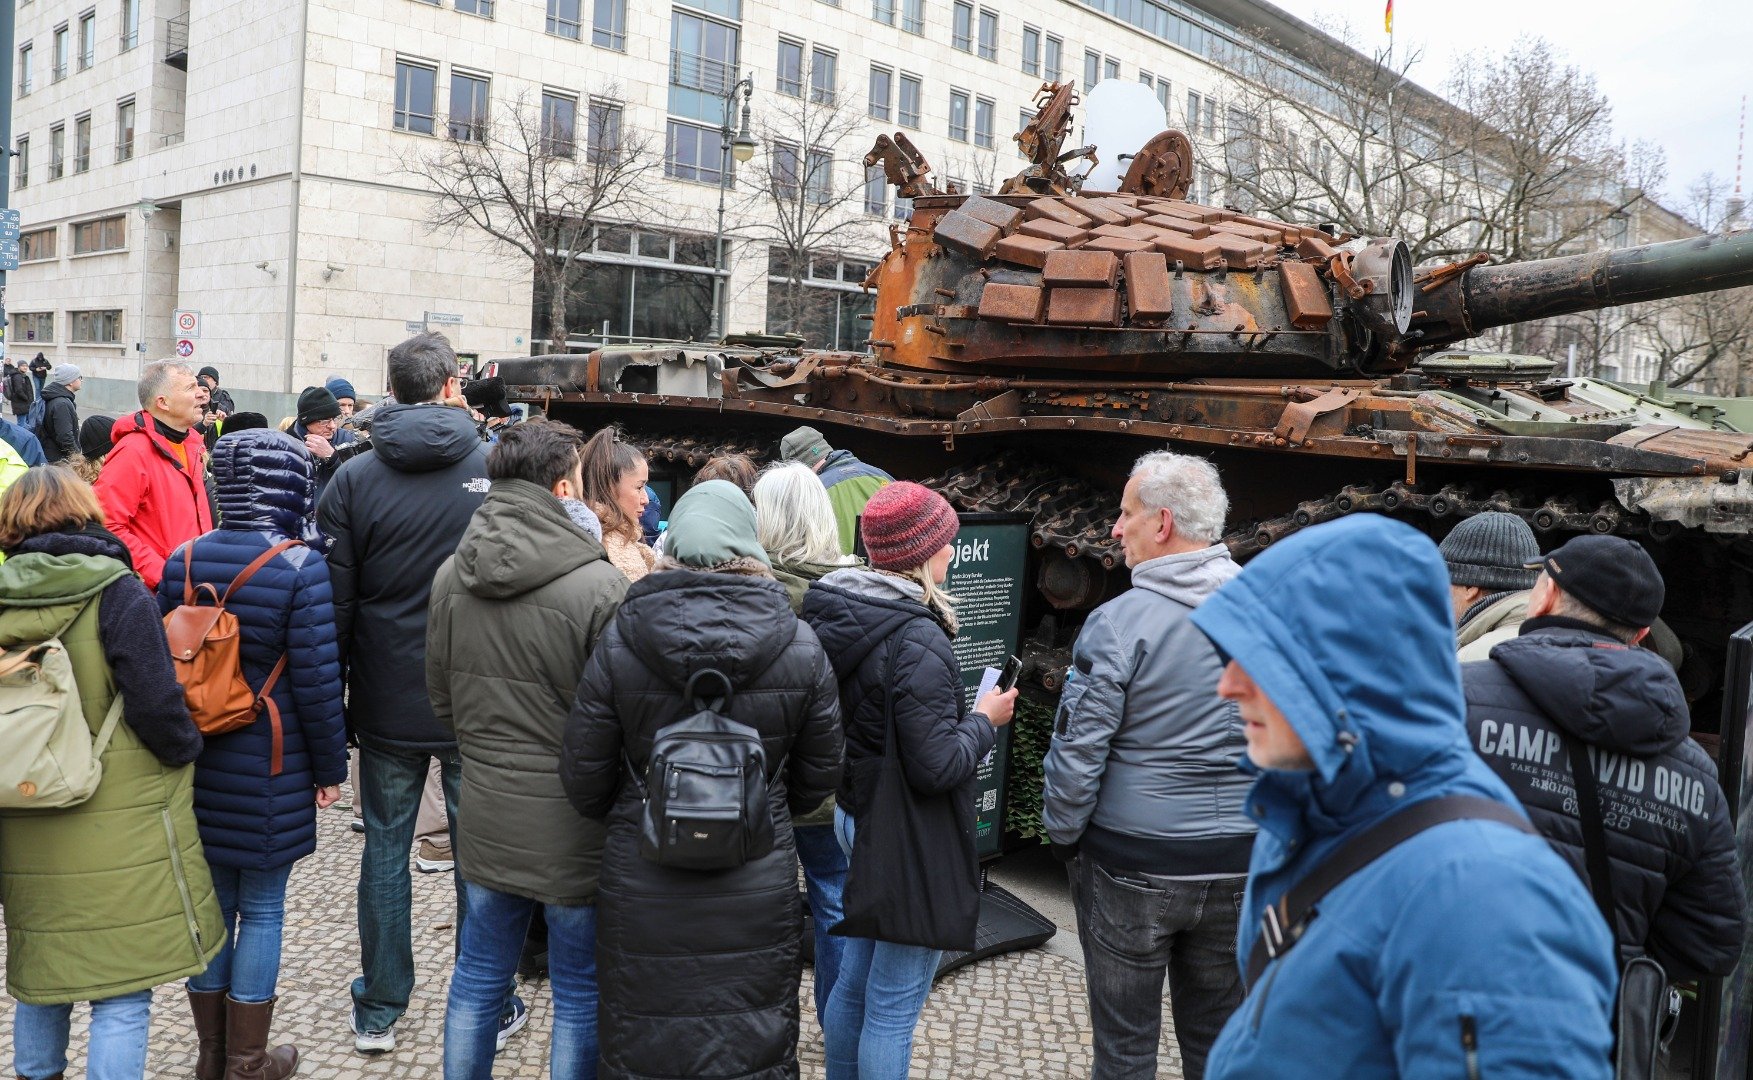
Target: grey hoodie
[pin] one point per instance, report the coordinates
(1142, 772)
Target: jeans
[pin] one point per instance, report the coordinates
(118, 1038)
(876, 1001)
(1137, 928)
(254, 903)
(487, 955)
(824, 873)
(390, 784)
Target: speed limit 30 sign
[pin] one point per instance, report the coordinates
(188, 324)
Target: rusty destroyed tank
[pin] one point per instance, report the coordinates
(1027, 346)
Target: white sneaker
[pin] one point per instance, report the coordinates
(371, 1042)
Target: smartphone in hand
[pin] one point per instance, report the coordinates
(1007, 678)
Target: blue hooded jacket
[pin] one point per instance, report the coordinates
(248, 818)
(1469, 950)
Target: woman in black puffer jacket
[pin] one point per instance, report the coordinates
(888, 630)
(698, 971)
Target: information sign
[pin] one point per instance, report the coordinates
(188, 324)
(987, 577)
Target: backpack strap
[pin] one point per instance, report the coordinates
(110, 720)
(1588, 812)
(1285, 922)
(250, 571)
(265, 700)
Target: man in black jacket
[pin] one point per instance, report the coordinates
(39, 371)
(60, 433)
(20, 392)
(395, 515)
(1577, 676)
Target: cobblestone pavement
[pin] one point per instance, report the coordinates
(1019, 1015)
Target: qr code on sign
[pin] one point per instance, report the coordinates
(989, 801)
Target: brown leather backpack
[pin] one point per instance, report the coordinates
(206, 647)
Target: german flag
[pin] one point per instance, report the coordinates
(1388, 18)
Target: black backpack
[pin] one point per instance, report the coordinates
(705, 789)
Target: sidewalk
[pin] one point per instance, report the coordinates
(1020, 1015)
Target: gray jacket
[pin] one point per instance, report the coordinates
(1142, 773)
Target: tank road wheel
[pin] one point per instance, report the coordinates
(1162, 167)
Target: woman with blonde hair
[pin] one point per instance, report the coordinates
(105, 899)
(615, 473)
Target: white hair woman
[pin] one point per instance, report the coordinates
(795, 521)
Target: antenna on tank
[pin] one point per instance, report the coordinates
(1736, 203)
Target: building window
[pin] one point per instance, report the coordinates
(912, 95)
(483, 8)
(985, 117)
(988, 34)
(958, 116)
(564, 19)
(876, 190)
(416, 97)
(636, 285)
(1092, 69)
(1162, 95)
(62, 39)
(824, 76)
(608, 25)
(1201, 114)
(903, 208)
(559, 124)
(468, 108)
(24, 79)
(1110, 68)
(1054, 67)
(703, 59)
(913, 16)
(37, 245)
(883, 11)
(1023, 119)
(130, 24)
(782, 170)
(693, 153)
(818, 181)
(821, 299)
(57, 151)
(605, 132)
(882, 92)
(23, 178)
(95, 327)
(125, 129)
(82, 143)
(788, 74)
(101, 234)
(87, 40)
(962, 27)
(33, 326)
(1031, 51)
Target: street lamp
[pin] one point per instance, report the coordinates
(740, 145)
(147, 208)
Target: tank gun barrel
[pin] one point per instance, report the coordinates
(1486, 296)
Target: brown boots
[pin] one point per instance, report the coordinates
(234, 1040)
(208, 1007)
(247, 1056)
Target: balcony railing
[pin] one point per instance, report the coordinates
(176, 41)
(695, 72)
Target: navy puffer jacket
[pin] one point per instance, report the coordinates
(249, 819)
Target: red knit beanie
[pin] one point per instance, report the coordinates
(905, 524)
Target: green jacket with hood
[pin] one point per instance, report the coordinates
(112, 895)
(515, 614)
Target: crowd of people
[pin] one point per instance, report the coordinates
(630, 743)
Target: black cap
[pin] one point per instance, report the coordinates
(487, 395)
(1614, 577)
(94, 436)
(209, 373)
(316, 403)
(244, 421)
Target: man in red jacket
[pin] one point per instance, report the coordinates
(152, 489)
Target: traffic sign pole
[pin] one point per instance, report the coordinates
(8, 28)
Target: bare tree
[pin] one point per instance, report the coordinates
(804, 195)
(1546, 174)
(1709, 334)
(538, 186)
(1342, 137)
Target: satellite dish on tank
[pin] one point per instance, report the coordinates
(1119, 118)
